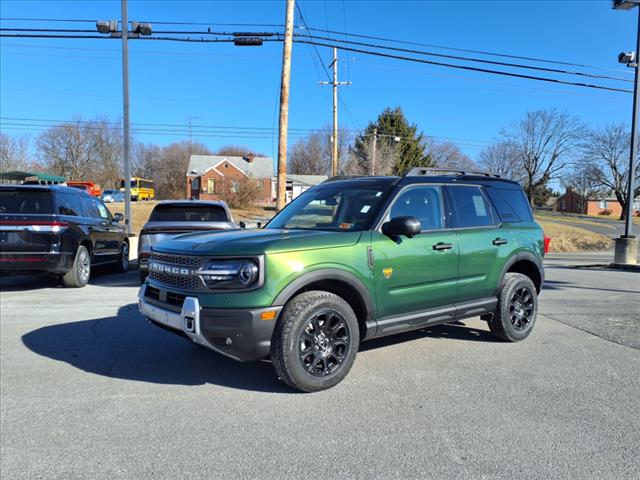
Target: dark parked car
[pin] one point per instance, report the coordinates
(60, 230)
(171, 218)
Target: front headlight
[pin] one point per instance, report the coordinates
(232, 273)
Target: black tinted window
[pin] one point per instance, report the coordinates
(424, 203)
(188, 213)
(69, 204)
(25, 201)
(89, 207)
(471, 207)
(512, 205)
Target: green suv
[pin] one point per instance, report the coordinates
(350, 260)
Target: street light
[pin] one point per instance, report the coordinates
(626, 247)
(110, 27)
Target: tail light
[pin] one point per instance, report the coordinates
(547, 244)
(31, 226)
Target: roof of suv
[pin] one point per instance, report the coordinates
(381, 181)
(47, 188)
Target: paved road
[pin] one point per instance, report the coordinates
(90, 390)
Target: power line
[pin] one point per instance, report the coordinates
(466, 50)
(470, 59)
(201, 24)
(467, 67)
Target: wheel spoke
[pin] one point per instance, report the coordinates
(324, 343)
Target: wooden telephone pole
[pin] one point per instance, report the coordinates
(284, 107)
(334, 138)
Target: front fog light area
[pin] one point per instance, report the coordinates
(230, 274)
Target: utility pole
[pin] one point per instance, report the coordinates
(626, 246)
(191, 118)
(373, 153)
(284, 107)
(125, 119)
(334, 137)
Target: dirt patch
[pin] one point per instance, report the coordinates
(565, 238)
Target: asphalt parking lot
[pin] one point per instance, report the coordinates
(91, 390)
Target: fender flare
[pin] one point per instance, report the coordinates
(516, 258)
(331, 274)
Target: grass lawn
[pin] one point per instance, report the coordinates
(565, 238)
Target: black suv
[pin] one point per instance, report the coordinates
(59, 230)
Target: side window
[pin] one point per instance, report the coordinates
(69, 204)
(103, 212)
(89, 207)
(471, 207)
(424, 203)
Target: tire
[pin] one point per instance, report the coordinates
(315, 342)
(142, 274)
(517, 309)
(80, 272)
(123, 260)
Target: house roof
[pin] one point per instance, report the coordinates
(307, 179)
(260, 167)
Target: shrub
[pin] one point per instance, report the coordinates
(243, 193)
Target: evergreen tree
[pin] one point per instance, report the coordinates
(399, 146)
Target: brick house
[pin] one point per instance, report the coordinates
(209, 175)
(573, 202)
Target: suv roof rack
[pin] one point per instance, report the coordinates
(422, 171)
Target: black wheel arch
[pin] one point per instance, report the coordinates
(526, 263)
(342, 283)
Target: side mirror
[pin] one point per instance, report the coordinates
(242, 225)
(259, 224)
(398, 226)
(118, 217)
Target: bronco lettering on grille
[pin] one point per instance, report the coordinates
(173, 270)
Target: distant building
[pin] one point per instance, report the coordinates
(573, 202)
(210, 176)
(42, 178)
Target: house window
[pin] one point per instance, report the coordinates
(211, 186)
(563, 205)
(603, 204)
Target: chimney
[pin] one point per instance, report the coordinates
(249, 157)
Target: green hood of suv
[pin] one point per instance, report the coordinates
(256, 242)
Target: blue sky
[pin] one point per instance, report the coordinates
(223, 85)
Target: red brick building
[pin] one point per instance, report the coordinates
(209, 176)
(573, 202)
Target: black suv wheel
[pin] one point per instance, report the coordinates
(123, 260)
(315, 342)
(80, 272)
(517, 309)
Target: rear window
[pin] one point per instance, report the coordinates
(188, 213)
(512, 205)
(25, 201)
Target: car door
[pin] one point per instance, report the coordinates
(420, 273)
(113, 232)
(97, 229)
(483, 244)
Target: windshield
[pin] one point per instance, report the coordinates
(190, 213)
(332, 208)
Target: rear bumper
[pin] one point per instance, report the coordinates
(35, 262)
(236, 333)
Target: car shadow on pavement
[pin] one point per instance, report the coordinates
(452, 331)
(101, 276)
(128, 347)
(559, 285)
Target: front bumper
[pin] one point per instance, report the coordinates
(237, 333)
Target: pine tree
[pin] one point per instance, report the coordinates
(399, 145)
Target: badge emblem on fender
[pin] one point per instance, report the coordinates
(387, 272)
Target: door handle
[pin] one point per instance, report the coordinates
(443, 246)
(500, 241)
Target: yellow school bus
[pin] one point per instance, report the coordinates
(141, 189)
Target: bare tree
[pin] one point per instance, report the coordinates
(311, 155)
(448, 155)
(608, 149)
(361, 160)
(585, 179)
(14, 153)
(107, 141)
(67, 150)
(502, 159)
(236, 151)
(169, 169)
(545, 143)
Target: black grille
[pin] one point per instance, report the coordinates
(181, 282)
(171, 299)
(183, 260)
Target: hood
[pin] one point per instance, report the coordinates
(255, 242)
